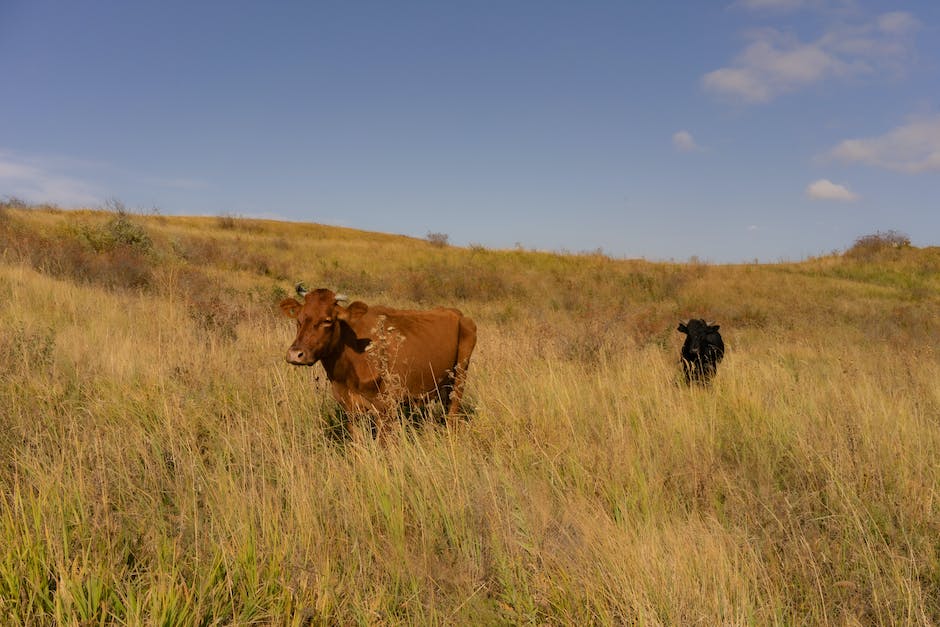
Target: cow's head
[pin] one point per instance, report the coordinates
(317, 319)
(696, 331)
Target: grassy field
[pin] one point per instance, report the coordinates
(160, 463)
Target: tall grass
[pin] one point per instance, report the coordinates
(160, 463)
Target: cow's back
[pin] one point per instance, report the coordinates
(416, 349)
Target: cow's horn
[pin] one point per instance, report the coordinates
(342, 298)
(301, 290)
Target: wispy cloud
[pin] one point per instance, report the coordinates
(36, 181)
(775, 63)
(899, 22)
(824, 189)
(53, 179)
(913, 147)
(684, 142)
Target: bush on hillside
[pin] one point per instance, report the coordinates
(226, 221)
(118, 232)
(117, 254)
(6, 218)
(438, 240)
(229, 221)
(12, 202)
(867, 246)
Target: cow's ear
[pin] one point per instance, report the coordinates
(683, 329)
(714, 328)
(353, 311)
(290, 307)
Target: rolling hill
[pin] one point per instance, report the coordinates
(161, 463)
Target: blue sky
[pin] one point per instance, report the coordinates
(728, 130)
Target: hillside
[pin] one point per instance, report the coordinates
(161, 463)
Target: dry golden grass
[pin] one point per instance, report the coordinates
(161, 464)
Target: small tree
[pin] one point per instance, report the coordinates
(120, 231)
(227, 221)
(12, 202)
(440, 240)
(114, 205)
(867, 246)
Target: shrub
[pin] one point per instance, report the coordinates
(123, 267)
(438, 240)
(120, 231)
(868, 246)
(12, 202)
(124, 232)
(117, 268)
(116, 254)
(226, 221)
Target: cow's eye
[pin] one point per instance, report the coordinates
(327, 322)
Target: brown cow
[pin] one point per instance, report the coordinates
(376, 357)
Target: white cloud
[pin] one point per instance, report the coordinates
(771, 65)
(745, 84)
(898, 22)
(684, 142)
(824, 189)
(10, 170)
(32, 181)
(774, 63)
(913, 147)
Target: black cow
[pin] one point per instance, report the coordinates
(702, 350)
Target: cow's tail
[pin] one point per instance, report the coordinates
(466, 342)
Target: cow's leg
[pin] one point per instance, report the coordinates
(688, 369)
(466, 341)
(445, 390)
(360, 408)
(708, 371)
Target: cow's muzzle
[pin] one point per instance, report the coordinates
(300, 357)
